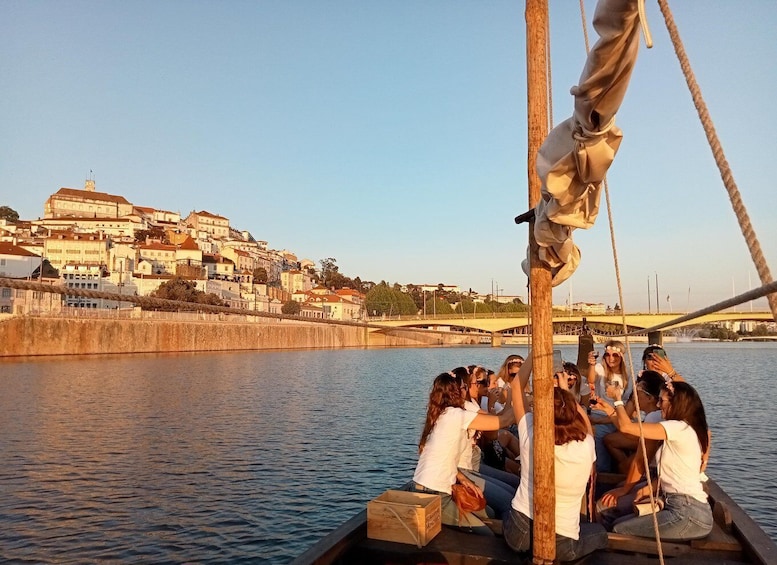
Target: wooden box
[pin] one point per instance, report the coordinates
(404, 517)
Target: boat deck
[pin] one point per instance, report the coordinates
(736, 539)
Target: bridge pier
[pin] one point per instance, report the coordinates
(496, 339)
(656, 338)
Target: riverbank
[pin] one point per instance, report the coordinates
(42, 336)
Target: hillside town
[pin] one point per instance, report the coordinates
(98, 241)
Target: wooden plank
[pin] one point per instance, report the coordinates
(759, 546)
(622, 542)
(718, 540)
(329, 549)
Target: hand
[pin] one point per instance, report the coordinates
(592, 355)
(613, 390)
(610, 498)
(659, 364)
(561, 380)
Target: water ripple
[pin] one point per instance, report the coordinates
(251, 458)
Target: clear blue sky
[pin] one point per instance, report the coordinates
(391, 134)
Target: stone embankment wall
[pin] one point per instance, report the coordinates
(24, 335)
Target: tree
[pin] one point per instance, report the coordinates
(292, 307)
(184, 290)
(8, 213)
(153, 233)
(260, 275)
(382, 299)
(328, 268)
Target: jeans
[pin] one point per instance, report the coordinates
(603, 457)
(517, 531)
(499, 495)
(683, 518)
(508, 478)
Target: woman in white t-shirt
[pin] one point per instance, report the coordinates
(602, 377)
(573, 460)
(444, 438)
(686, 514)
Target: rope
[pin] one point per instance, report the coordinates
(619, 283)
(720, 159)
(416, 538)
(765, 290)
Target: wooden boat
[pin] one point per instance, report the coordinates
(735, 539)
(577, 154)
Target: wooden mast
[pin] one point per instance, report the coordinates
(541, 293)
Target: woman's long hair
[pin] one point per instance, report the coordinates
(569, 423)
(571, 369)
(685, 404)
(446, 392)
(505, 368)
(623, 369)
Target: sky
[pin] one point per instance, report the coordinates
(391, 135)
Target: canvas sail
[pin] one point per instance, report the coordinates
(574, 158)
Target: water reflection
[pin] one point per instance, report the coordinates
(253, 457)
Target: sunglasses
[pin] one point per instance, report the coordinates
(481, 383)
(612, 354)
(571, 379)
(643, 391)
(513, 374)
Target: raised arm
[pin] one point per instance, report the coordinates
(624, 423)
(518, 387)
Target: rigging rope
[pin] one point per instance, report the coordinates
(753, 244)
(616, 264)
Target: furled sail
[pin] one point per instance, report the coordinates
(577, 153)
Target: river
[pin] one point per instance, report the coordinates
(252, 457)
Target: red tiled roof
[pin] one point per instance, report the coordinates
(209, 215)
(7, 248)
(189, 244)
(89, 195)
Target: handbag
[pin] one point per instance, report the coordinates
(467, 499)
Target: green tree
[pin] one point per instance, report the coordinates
(383, 299)
(8, 213)
(260, 275)
(471, 307)
(183, 290)
(439, 306)
(153, 233)
(292, 307)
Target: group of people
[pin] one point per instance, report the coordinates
(478, 434)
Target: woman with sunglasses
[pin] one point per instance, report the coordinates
(603, 378)
(443, 439)
(686, 513)
(498, 486)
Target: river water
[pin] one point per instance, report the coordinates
(252, 457)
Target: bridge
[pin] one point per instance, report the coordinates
(603, 324)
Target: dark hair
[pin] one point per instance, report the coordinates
(446, 392)
(686, 405)
(571, 368)
(652, 382)
(649, 350)
(569, 423)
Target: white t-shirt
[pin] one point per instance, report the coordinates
(466, 460)
(438, 462)
(573, 463)
(600, 385)
(680, 460)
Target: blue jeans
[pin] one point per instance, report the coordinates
(499, 495)
(508, 478)
(603, 457)
(517, 531)
(683, 518)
